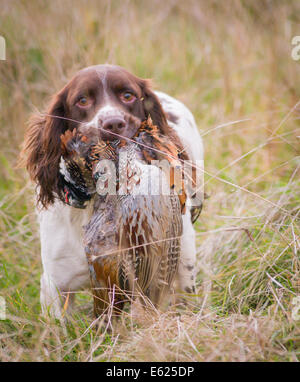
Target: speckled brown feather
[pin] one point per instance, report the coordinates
(133, 245)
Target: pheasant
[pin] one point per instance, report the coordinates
(132, 241)
(80, 153)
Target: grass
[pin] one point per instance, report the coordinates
(232, 66)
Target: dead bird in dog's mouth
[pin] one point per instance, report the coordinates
(132, 241)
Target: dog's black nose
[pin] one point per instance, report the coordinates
(112, 127)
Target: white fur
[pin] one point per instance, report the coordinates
(104, 113)
(64, 262)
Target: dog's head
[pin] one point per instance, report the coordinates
(104, 101)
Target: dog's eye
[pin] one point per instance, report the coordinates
(83, 102)
(128, 97)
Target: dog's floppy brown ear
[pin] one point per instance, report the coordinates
(153, 107)
(42, 150)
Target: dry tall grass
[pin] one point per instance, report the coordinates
(230, 62)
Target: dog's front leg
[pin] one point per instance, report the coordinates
(187, 262)
(54, 303)
(65, 268)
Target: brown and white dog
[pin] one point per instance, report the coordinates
(113, 101)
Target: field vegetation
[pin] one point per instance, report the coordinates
(230, 63)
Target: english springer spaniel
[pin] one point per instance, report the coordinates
(114, 101)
